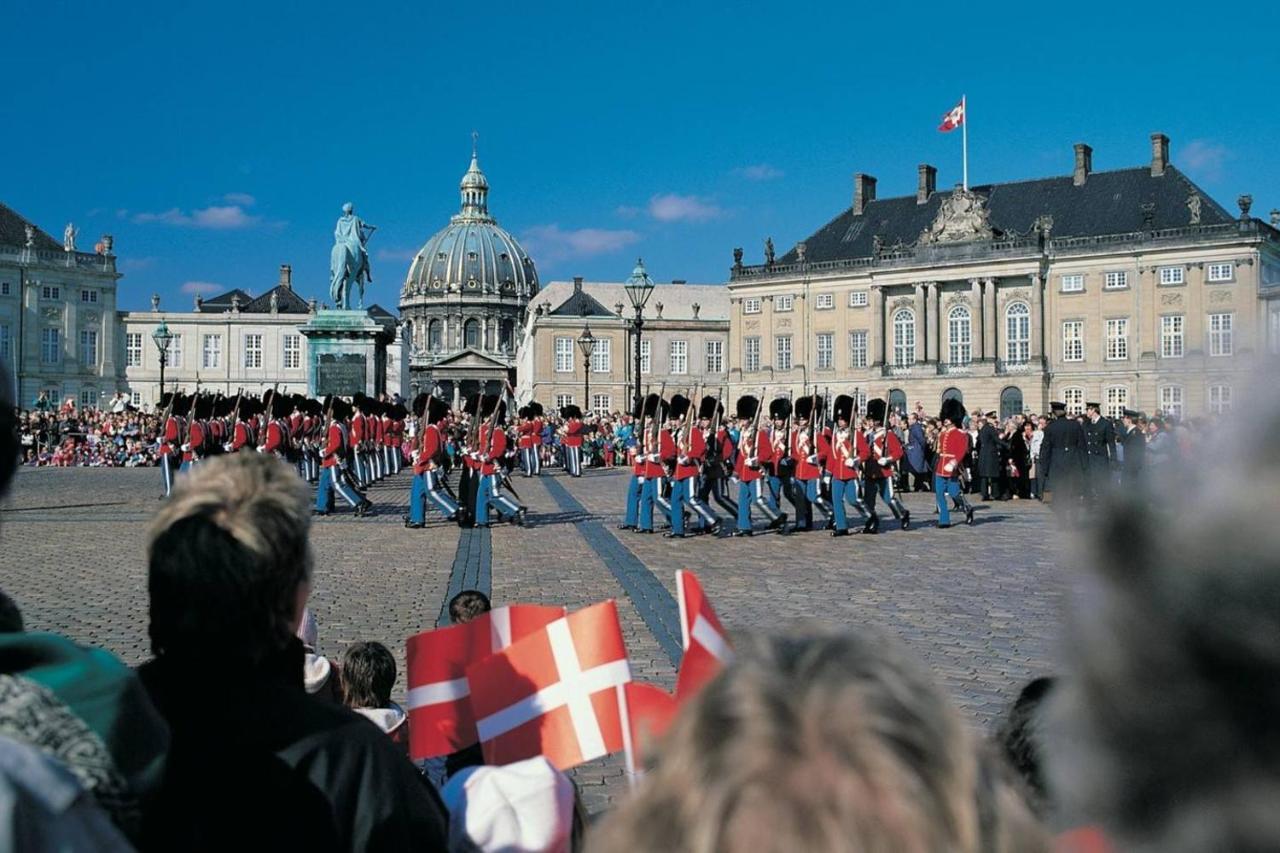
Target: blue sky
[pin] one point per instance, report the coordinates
(217, 141)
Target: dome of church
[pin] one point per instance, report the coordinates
(472, 254)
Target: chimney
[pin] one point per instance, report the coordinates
(864, 192)
(1084, 164)
(1275, 218)
(926, 183)
(1159, 154)
(286, 276)
(577, 284)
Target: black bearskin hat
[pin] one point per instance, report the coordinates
(746, 407)
(570, 411)
(952, 410)
(876, 408)
(679, 406)
(843, 408)
(709, 408)
(780, 409)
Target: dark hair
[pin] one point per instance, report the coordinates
(368, 674)
(467, 605)
(1021, 735)
(10, 615)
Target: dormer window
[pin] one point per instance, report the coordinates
(471, 256)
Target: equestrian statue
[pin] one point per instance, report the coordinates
(349, 260)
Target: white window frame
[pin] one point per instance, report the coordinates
(1073, 340)
(1173, 275)
(133, 349)
(602, 356)
(751, 354)
(678, 357)
(51, 345)
(824, 302)
(858, 299)
(211, 352)
(1115, 280)
(826, 350)
(1017, 333)
(904, 337)
(1173, 335)
(174, 358)
(50, 292)
(89, 398)
(563, 400)
(4, 288)
(960, 336)
(601, 403)
(1073, 396)
(784, 302)
(1072, 282)
(135, 399)
(1115, 401)
(751, 305)
(646, 357)
(715, 356)
(1173, 400)
(859, 348)
(782, 359)
(1222, 335)
(89, 296)
(1220, 272)
(563, 354)
(253, 352)
(1117, 339)
(292, 355)
(89, 347)
(1220, 399)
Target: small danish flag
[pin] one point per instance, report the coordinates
(558, 692)
(649, 712)
(706, 646)
(440, 718)
(953, 119)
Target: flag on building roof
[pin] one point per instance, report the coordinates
(953, 119)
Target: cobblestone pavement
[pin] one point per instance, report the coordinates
(980, 604)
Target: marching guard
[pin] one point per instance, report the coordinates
(953, 447)
(333, 456)
(571, 436)
(884, 454)
(849, 451)
(755, 453)
(491, 447)
(808, 459)
(690, 449)
(428, 459)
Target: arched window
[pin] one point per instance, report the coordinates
(904, 337)
(1010, 402)
(953, 394)
(435, 336)
(1074, 398)
(1117, 401)
(897, 401)
(1017, 328)
(960, 335)
(507, 338)
(471, 333)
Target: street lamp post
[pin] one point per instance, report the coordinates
(586, 343)
(163, 338)
(638, 287)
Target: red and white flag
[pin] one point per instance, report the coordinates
(440, 718)
(706, 646)
(953, 119)
(649, 711)
(557, 692)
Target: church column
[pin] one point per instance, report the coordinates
(458, 331)
(931, 322)
(1037, 314)
(975, 285)
(989, 336)
(877, 327)
(445, 327)
(921, 351)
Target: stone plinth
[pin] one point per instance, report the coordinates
(347, 353)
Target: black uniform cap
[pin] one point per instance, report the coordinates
(709, 407)
(780, 408)
(679, 406)
(952, 410)
(843, 408)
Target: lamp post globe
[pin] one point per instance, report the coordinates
(639, 288)
(586, 343)
(163, 338)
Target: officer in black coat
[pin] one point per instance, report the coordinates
(1100, 446)
(1063, 456)
(990, 449)
(1135, 448)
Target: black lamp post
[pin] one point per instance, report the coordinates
(586, 343)
(639, 287)
(163, 338)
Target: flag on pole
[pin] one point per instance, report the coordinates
(953, 119)
(648, 712)
(440, 718)
(706, 646)
(555, 692)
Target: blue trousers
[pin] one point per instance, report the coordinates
(632, 516)
(648, 494)
(426, 486)
(841, 491)
(685, 493)
(942, 488)
(573, 460)
(754, 493)
(331, 481)
(487, 492)
(166, 472)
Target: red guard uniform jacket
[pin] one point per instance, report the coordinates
(195, 441)
(296, 421)
(763, 454)
(666, 450)
(801, 449)
(846, 452)
(525, 431)
(573, 433)
(335, 446)
(384, 431)
(242, 436)
(493, 444)
(693, 456)
(359, 430)
(277, 439)
(538, 426)
(430, 445)
(885, 443)
(727, 447)
(953, 445)
(172, 434)
(397, 433)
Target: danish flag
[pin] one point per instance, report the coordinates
(558, 692)
(706, 646)
(953, 119)
(649, 712)
(440, 718)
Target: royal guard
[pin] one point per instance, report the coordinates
(755, 454)
(197, 432)
(690, 448)
(386, 437)
(525, 441)
(572, 434)
(398, 416)
(807, 456)
(428, 462)
(359, 439)
(535, 408)
(376, 463)
(717, 465)
(172, 436)
(635, 459)
(849, 451)
(782, 466)
(277, 437)
(879, 469)
(952, 448)
(650, 460)
(216, 431)
(333, 455)
(492, 446)
(243, 433)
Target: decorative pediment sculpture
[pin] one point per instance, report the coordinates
(962, 216)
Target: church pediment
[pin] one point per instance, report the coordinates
(470, 358)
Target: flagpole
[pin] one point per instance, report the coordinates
(964, 128)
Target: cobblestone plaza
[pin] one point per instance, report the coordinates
(981, 604)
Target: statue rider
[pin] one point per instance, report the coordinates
(353, 233)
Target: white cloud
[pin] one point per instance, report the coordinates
(759, 172)
(551, 243)
(218, 217)
(671, 207)
(243, 199)
(396, 254)
(201, 287)
(1203, 159)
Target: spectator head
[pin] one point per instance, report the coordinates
(820, 741)
(10, 615)
(1172, 705)
(368, 675)
(467, 605)
(1021, 735)
(527, 805)
(229, 560)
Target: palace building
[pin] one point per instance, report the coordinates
(1132, 287)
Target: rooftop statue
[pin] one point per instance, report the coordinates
(349, 260)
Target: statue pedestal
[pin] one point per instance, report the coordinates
(347, 353)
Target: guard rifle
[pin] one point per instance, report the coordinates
(755, 431)
(651, 439)
(715, 453)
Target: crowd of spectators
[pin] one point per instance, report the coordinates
(114, 436)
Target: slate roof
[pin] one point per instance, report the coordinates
(677, 300)
(378, 312)
(1108, 203)
(13, 232)
(222, 302)
(581, 304)
(287, 302)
